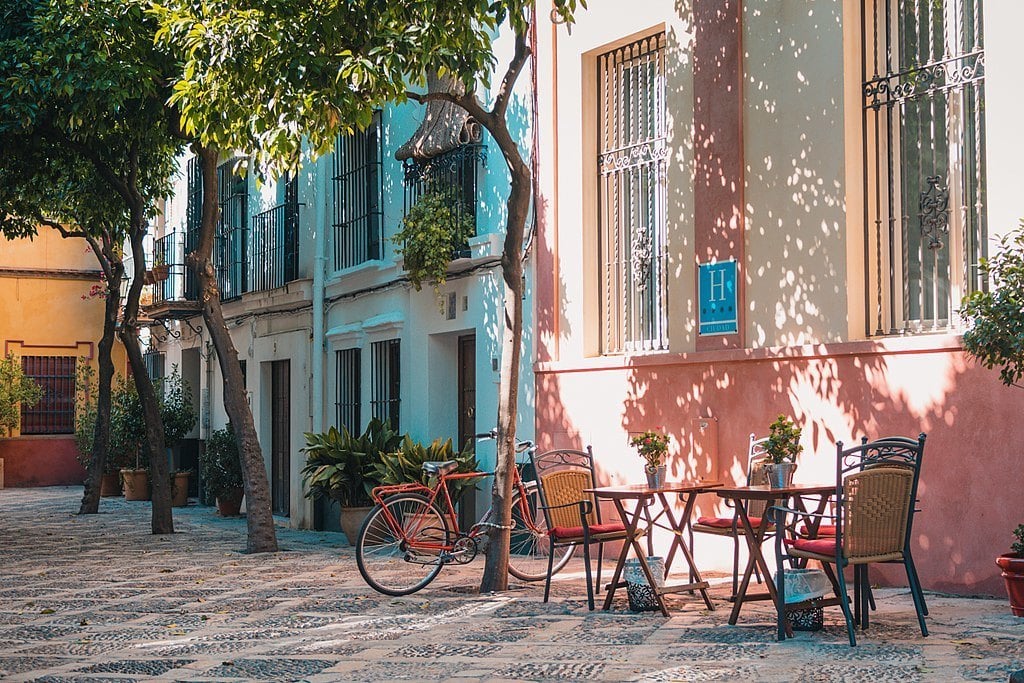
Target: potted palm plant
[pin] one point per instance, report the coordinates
(341, 467)
(781, 450)
(405, 465)
(221, 471)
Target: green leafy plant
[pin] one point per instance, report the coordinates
(16, 391)
(1018, 545)
(220, 466)
(341, 467)
(783, 443)
(406, 465)
(176, 411)
(127, 426)
(434, 228)
(995, 318)
(652, 447)
(85, 421)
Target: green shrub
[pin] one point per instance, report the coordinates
(434, 228)
(220, 464)
(406, 465)
(341, 467)
(16, 391)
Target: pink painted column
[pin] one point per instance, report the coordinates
(718, 146)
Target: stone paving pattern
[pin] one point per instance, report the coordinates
(98, 598)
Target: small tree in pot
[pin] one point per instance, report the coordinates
(781, 450)
(995, 336)
(221, 470)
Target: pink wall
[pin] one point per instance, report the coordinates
(40, 461)
(971, 475)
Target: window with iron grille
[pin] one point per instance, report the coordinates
(55, 412)
(154, 364)
(456, 172)
(385, 361)
(357, 197)
(631, 165)
(193, 221)
(275, 241)
(924, 159)
(230, 257)
(348, 402)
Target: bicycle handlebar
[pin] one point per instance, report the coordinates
(493, 434)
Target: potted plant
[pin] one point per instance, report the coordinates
(995, 337)
(127, 440)
(1012, 564)
(161, 271)
(405, 465)
(85, 432)
(781, 450)
(179, 418)
(435, 228)
(222, 471)
(652, 447)
(341, 467)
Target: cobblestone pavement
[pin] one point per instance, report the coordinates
(100, 599)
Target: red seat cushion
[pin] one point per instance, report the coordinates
(726, 522)
(823, 530)
(561, 533)
(818, 546)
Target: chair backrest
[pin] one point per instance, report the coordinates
(876, 511)
(876, 486)
(562, 476)
(755, 471)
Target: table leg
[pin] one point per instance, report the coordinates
(678, 542)
(754, 539)
(631, 524)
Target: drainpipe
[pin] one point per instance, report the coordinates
(319, 259)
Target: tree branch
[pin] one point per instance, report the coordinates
(522, 53)
(469, 102)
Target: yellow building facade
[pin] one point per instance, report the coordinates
(51, 319)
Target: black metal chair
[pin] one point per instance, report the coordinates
(876, 493)
(729, 526)
(573, 516)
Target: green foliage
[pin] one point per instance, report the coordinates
(996, 317)
(406, 465)
(783, 441)
(652, 447)
(1018, 545)
(220, 464)
(176, 410)
(16, 391)
(341, 467)
(434, 228)
(127, 426)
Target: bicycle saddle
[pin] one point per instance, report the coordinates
(442, 467)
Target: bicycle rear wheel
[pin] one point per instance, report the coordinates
(384, 552)
(529, 546)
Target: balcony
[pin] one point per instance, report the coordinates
(274, 248)
(457, 171)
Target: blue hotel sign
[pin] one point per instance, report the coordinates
(716, 294)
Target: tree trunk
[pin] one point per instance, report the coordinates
(101, 434)
(259, 513)
(162, 522)
(495, 576)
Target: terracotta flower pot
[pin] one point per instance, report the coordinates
(179, 489)
(352, 521)
(1012, 565)
(229, 503)
(136, 484)
(110, 485)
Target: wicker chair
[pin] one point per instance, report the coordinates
(573, 517)
(729, 526)
(876, 490)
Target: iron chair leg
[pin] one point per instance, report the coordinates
(551, 564)
(600, 561)
(590, 585)
(844, 602)
(915, 592)
(914, 581)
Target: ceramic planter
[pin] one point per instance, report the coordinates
(110, 485)
(136, 484)
(779, 474)
(179, 489)
(229, 503)
(1012, 565)
(352, 520)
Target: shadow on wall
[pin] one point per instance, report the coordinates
(867, 391)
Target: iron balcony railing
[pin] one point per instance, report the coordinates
(457, 171)
(274, 247)
(170, 251)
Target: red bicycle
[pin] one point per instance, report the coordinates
(412, 532)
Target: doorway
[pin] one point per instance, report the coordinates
(466, 387)
(280, 436)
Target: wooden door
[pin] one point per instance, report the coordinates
(467, 415)
(280, 435)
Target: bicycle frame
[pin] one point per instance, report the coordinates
(411, 535)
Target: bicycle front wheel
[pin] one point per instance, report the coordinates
(398, 547)
(529, 546)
